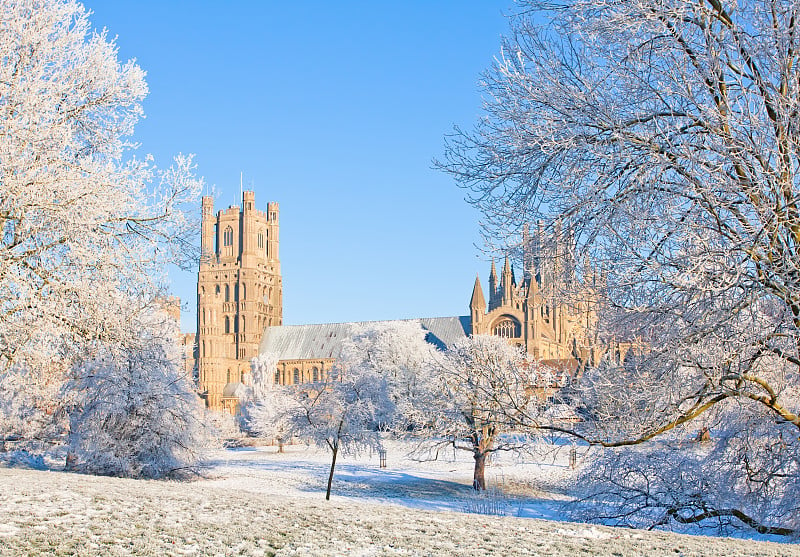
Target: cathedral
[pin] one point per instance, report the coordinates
(240, 303)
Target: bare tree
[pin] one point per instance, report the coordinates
(664, 137)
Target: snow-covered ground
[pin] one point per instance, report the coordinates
(259, 502)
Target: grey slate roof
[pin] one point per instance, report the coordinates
(321, 341)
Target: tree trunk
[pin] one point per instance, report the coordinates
(478, 479)
(330, 476)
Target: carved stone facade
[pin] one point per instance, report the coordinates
(551, 313)
(240, 301)
(239, 294)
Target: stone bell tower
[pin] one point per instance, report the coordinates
(239, 294)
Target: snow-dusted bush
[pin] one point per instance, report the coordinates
(31, 413)
(222, 427)
(133, 411)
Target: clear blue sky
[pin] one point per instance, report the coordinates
(334, 110)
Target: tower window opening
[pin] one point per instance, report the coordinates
(227, 237)
(227, 325)
(227, 293)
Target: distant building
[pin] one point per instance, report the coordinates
(240, 301)
(239, 293)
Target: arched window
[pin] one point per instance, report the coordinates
(315, 375)
(227, 293)
(227, 237)
(507, 328)
(261, 240)
(242, 330)
(216, 290)
(277, 377)
(244, 292)
(296, 376)
(236, 292)
(227, 325)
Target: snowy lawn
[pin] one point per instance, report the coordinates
(259, 502)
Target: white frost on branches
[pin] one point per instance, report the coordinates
(479, 390)
(265, 405)
(86, 230)
(132, 410)
(664, 138)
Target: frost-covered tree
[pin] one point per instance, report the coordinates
(342, 413)
(397, 351)
(132, 410)
(265, 406)
(664, 137)
(78, 222)
(473, 388)
(83, 226)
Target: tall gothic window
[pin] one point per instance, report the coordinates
(227, 293)
(296, 376)
(227, 325)
(277, 377)
(315, 374)
(507, 328)
(227, 237)
(261, 240)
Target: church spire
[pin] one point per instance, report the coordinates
(493, 287)
(507, 282)
(478, 302)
